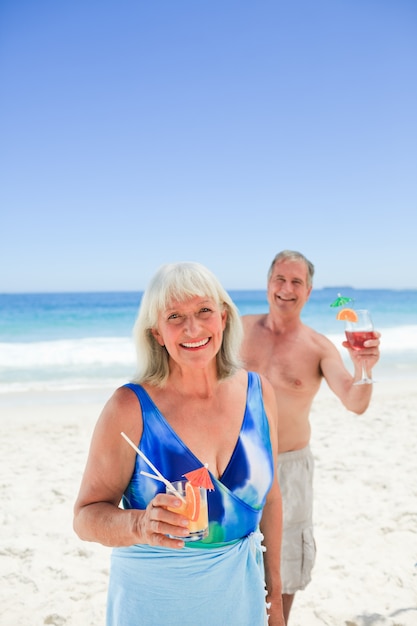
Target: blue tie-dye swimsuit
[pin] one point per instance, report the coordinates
(143, 577)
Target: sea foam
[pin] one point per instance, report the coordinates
(110, 361)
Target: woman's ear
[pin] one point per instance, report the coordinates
(224, 318)
(157, 336)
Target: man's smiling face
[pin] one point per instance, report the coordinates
(288, 289)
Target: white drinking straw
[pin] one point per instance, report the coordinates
(158, 475)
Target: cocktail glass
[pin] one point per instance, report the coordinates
(194, 507)
(357, 333)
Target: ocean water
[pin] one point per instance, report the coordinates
(70, 341)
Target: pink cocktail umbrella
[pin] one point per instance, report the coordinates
(200, 477)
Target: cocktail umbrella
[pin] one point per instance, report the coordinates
(200, 478)
(340, 301)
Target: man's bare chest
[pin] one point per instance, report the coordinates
(289, 366)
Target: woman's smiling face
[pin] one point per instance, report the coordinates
(191, 330)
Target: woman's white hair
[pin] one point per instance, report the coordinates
(182, 281)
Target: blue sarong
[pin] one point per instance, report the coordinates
(162, 587)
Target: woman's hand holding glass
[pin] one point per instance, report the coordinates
(158, 522)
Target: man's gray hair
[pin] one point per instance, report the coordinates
(293, 255)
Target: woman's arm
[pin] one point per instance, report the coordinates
(271, 523)
(110, 464)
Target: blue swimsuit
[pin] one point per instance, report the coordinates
(223, 573)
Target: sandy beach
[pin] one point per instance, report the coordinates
(365, 512)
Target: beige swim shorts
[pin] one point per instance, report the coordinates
(295, 475)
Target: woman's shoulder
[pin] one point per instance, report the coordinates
(123, 402)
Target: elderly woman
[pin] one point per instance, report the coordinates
(189, 406)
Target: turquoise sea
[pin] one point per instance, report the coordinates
(70, 341)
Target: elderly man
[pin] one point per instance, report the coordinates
(295, 359)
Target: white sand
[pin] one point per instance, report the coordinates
(365, 513)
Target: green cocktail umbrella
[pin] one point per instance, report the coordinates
(340, 301)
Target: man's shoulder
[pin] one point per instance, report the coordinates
(311, 332)
(252, 320)
(316, 338)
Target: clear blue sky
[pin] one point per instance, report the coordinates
(137, 132)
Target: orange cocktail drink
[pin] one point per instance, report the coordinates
(194, 507)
